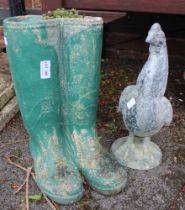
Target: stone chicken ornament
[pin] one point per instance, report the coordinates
(145, 109)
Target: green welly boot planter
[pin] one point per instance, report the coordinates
(32, 45)
(81, 47)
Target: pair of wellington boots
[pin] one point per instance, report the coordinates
(55, 66)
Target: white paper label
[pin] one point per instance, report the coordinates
(131, 103)
(45, 69)
(5, 41)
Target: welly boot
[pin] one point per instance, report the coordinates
(80, 76)
(32, 45)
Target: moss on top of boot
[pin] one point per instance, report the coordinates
(62, 13)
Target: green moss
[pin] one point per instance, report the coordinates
(62, 13)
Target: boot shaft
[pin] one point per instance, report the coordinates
(81, 47)
(39, 50)
(32, 46)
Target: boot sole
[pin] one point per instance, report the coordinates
(110, 190)
(66, 201)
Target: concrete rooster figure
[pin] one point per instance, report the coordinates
(145, 109)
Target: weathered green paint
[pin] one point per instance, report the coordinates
(80, 76)
(59, 113)
(30, 41)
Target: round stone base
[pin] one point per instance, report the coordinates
(137, 153)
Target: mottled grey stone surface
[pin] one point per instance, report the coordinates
(145, 109)
(137, 152)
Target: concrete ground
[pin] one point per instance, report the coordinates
(162, 188)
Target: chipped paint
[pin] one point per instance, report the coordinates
(80, 75)
(39, 102)
(73, 45)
